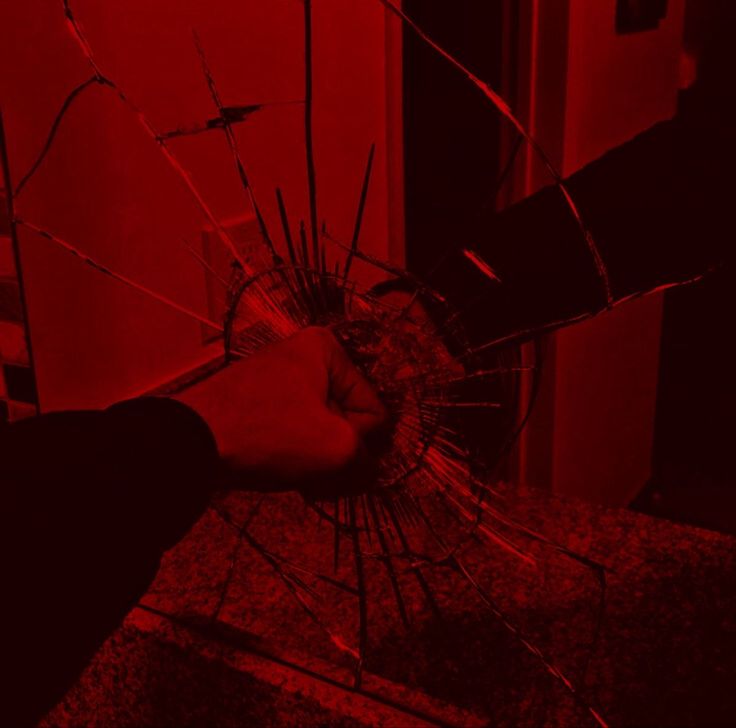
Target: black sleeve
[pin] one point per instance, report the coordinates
(659, 208)
(91, 500)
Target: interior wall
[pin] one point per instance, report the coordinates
(594, 428)
(617, 85)
(606, 384)
(106, 188)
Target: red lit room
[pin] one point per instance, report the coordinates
(367, 363)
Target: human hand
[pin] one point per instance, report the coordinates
(295, 414)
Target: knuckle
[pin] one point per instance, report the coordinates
(313, 332)
(320, 334)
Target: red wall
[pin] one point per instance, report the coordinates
(584, 90)
(106, 188)
(606, 369)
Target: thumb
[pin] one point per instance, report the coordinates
(350, 391)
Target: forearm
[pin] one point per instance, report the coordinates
(92, 499)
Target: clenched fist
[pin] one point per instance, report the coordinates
(295, 414)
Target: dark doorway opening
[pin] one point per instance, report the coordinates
(451, 132)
